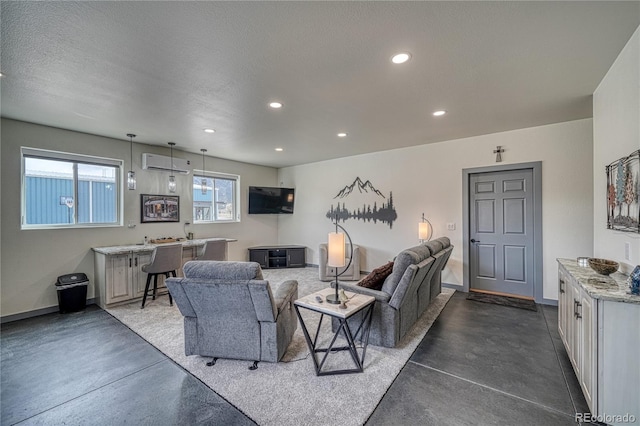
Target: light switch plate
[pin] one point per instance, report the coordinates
(451, 226)
(627, 251)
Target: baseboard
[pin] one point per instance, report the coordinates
(36, 313)
(549, 302)
(457, 287)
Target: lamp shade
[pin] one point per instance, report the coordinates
(336, 249)
(131, 180)
(424, 230)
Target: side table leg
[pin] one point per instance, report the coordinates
(365, 332)
(351, 344)
(310, 344)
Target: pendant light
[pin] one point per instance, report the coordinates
(172, 178)
(203, 182)
(131, 175)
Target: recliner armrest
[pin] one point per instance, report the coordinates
(174, 285)
(285, 293)
(380, 296)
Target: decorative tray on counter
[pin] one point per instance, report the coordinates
(166, 240)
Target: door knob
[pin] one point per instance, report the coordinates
(474, 241)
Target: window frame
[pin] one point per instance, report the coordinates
(199, 173)
(45, 154)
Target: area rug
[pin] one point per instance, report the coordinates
(288, 392)
(502, 300)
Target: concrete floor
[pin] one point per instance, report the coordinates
(486, 364)
(479, 364)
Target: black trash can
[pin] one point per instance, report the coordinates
(72, 292)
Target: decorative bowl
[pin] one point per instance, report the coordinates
(603, 266)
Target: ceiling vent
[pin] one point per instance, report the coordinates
(163, 163)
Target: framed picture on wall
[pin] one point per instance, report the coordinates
(159, 208)
(623, 194)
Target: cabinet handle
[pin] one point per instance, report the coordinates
(129, 262)
(576, 305)
(561, 286)
(136, 263)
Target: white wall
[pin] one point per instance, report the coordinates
(33, 259)
(428, 178)
(616, 133)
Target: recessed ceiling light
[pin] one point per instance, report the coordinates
(275, 105)
(279, 149)
(401, 58)
(209, 130)
(342, 135)
(439, 113)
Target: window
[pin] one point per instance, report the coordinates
(220, 203)
(69, 190)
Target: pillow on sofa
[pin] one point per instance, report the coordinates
(376, 278)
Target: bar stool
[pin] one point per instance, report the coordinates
(165, 260)
(214, 250)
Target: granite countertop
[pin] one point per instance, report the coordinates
(613, 287)
(136, 248)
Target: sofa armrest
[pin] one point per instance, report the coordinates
(285, 293)
(380, 296)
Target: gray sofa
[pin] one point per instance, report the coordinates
(230, 311)
(414, 282)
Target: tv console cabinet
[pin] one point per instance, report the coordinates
(270, 257)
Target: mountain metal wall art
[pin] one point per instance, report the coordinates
(623, 194)
(381, 210)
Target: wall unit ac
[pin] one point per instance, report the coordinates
(163, 163)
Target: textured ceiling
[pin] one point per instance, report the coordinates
(167, 70)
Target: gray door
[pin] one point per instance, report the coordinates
(501, 232)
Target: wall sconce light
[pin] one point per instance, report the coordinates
(203, 182)
(425, 230)
(172, 178)
(131, 175)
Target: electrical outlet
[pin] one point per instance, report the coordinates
(627, 251)
(451, 226)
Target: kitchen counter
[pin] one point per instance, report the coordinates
(137, 248)
(613, 287)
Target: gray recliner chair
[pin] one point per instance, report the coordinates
(230, 311)
(328, 273)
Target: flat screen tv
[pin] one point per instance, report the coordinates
(269, 200)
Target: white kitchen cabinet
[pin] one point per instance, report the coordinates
(119, 277)
(599, 323)
(577, 328)
(139, 276)
(118, 271)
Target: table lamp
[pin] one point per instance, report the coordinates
(336, 257)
